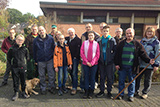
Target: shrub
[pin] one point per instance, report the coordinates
(2, 56)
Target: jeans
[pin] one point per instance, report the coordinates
(147, 80)
(122, 77)
(106, 71)
(89, 76)
(18, 74)
(51, 74)
(63, 70)
(74, 73)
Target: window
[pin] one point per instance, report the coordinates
(69, 18)
(138, 31)
(94, 19)
(124, 27)
(113, 20)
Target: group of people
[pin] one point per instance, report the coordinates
(99, 54)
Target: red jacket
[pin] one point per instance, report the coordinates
(7, 43)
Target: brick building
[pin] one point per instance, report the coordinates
(138, 14)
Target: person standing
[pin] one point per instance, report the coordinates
(84, 37)
(53, 32)
(90, 55)
(74, 43)
(118, 35)
(152, 45)
(56, 37)
(43, 48)
(101, 25)
(62, 59)
(158, 34)
(127, 61)
(17, 57)
(7, 43)
(107, 52)
(32, 70)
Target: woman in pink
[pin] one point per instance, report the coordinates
(90, 55)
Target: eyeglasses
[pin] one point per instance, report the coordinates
(61, 38)
(20, 40)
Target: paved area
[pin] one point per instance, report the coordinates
(68, 100)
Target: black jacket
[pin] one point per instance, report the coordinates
(85, 37)
(29, 44)
(18, 57)
(110, 52)
(74, 46)
(139, 52)
(119, 39)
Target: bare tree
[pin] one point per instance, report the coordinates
(3, 4)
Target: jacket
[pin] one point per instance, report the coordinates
(74, 46)
(18, 56)
(152, 47)
(95, 52)
(110, 51)
(29, 43)
(58, 56)
(43, 48)
(139, 52)
(119, 39)
(7, 43)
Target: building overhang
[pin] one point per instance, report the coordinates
(58, 5)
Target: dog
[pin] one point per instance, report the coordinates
(30, 85)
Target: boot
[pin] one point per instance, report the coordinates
(90, 94)
(24, 95)
(85, 94)
(15, 96)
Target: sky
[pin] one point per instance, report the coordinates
(31, 6)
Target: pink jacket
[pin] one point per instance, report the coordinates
(85, 53)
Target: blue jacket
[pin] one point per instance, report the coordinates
(43, 48)
(152, 47)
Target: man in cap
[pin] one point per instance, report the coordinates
(54, 29)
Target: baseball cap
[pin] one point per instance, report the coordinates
(54, 26)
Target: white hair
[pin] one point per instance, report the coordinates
(71, 29)
(131, 29)
(119, 29)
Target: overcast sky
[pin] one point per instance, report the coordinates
(31, 6)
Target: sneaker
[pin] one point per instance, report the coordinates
(43, 92)
(82, 91)
(52, 91)
(64, 89)
(3, 84)
(131, 99)
(73, 92)
(24, 95)
(96, 85)
(60, 93)
(144, 96)
(100, 94)
(110, 95)
(15, 96)
(120, 97)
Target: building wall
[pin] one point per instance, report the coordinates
(80, 28)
